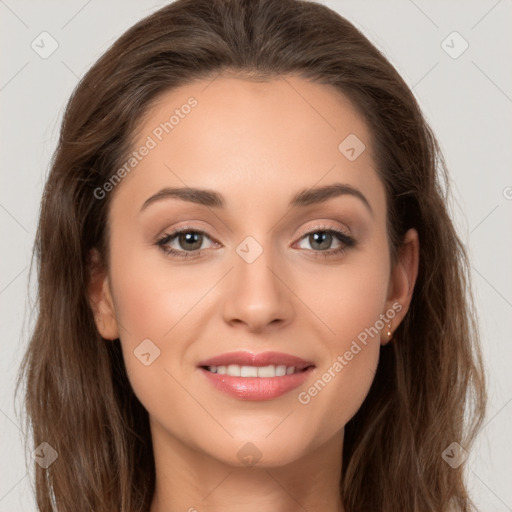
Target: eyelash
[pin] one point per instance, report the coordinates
(347, 241)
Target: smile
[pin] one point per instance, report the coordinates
(248, 376)
(235, 370)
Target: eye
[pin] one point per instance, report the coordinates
(321, 239)
(189, 242)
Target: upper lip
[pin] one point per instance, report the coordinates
(243, 358)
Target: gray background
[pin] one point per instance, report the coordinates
(467, 100)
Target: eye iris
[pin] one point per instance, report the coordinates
(190, 238)
(321, 237)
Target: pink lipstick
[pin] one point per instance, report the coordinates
(249, 376)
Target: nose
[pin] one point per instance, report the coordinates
(257, 294)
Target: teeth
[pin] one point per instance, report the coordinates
(266, 371)
(235, 370)
(280, 370)
(248, 371)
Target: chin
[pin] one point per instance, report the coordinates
(261, 450)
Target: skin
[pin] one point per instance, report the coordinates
(257, 144)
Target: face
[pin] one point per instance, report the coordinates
(282, 262)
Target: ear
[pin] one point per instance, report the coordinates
(100, 297)
(401, 282)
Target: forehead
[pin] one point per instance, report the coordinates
(246, 138)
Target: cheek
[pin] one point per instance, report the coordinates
(150, 299)
(155, 306)
(164, 303)
(350, 303)
(349, 362)
(149, 303)
(348, 298)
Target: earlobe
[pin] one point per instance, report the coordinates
(402, 281)
(100, 298)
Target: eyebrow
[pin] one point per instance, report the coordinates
(303, 198)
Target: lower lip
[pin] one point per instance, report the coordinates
(257, 388)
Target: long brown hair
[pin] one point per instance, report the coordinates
(429, 389)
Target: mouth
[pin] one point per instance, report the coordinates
(248, 376)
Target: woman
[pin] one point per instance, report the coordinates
(251, 294)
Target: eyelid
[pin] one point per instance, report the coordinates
(324, 226)
(305, 231)
(173, 233)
